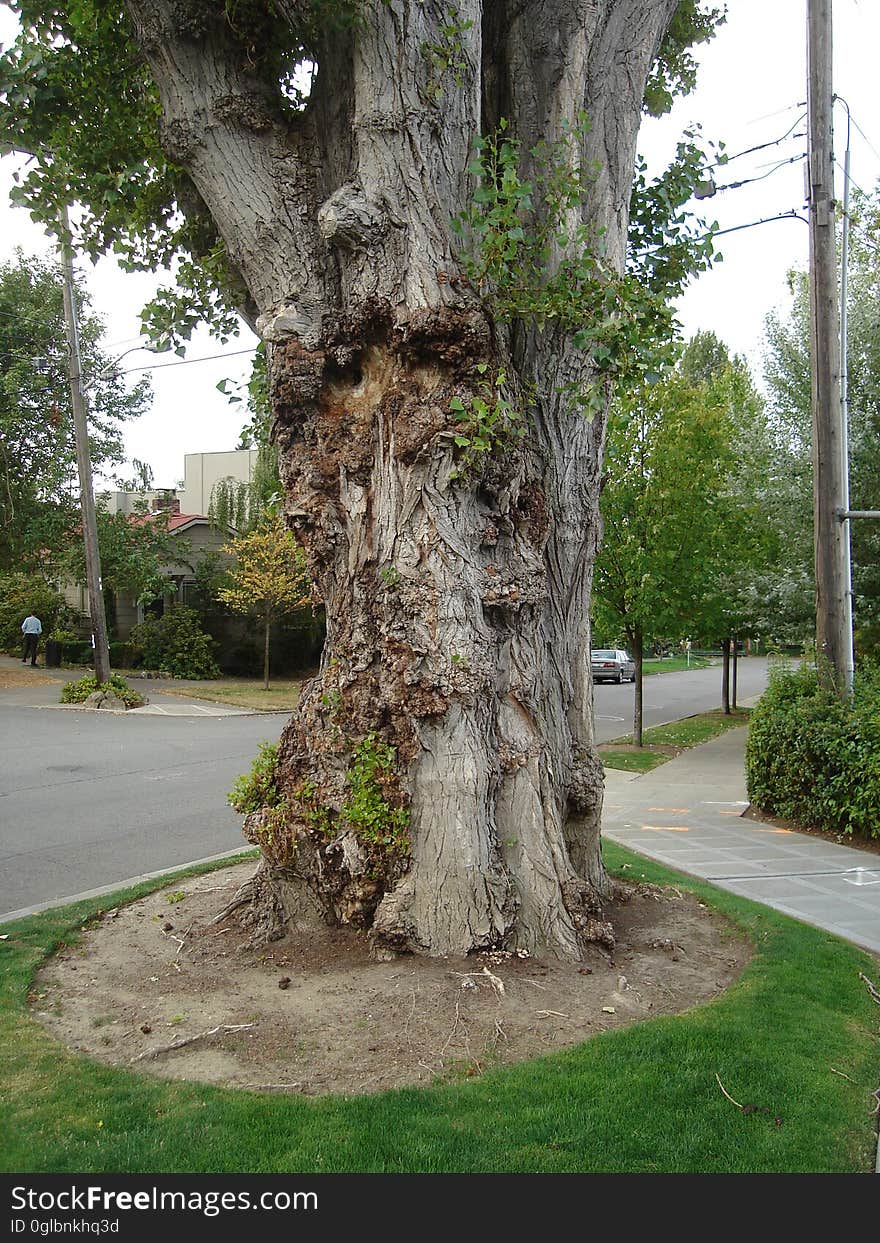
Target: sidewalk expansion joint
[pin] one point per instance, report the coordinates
(796, 875)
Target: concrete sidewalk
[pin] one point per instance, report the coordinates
(688, 814)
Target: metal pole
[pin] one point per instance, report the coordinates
(84, 463)
(832, 640)
(844, 414)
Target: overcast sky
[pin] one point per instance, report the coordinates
(751, 90)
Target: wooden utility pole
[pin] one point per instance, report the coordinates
(84, 463)
(829, 467)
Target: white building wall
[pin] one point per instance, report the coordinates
(203, 470)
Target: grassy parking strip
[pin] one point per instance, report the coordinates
(664, 742)
(280, 697)
(675, 664)
(794, 1041)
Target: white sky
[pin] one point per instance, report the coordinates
(752, 76)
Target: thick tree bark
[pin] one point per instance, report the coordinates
(457, 604)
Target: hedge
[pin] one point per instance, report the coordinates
(814, 758)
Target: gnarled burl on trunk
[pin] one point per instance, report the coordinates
(440, 778)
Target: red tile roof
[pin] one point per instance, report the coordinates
(174, 520)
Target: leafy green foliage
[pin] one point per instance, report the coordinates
(373, 806)
(137, 554)
(676, 519)
(259, 787)
(78, 96)
(21, 594)
(175, 643)
(446, 55)
(486, 422)
(78, 692)
(674, 71)
(787, 380)
(39, 486)
(527, 259)
(814, 758)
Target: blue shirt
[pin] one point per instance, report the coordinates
(32, 625)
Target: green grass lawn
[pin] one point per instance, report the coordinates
(675, 664)
(796, 1037)
(664, 742)
(282, 696)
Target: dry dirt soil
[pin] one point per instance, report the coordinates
(13, 678)
(160, 988)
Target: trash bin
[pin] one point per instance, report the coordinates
(53, 653)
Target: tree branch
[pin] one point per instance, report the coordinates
(251, 159)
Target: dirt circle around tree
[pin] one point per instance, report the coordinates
(160, 988)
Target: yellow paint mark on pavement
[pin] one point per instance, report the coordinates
(667, 828)
(672, 811)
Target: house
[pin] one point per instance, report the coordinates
(298, 641)
(187, 515)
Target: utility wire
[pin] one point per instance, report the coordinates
(761, 146)
(857, 126)
(184, 362)
(788, 215)
(851, 182)
(747, 181)
(779, 112)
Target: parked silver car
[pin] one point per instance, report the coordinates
(612, 664)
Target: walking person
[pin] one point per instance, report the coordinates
(31, 628)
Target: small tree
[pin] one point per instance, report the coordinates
(269, 579)
(675, 517)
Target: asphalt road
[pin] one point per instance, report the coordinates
(89, 800)
(671, 696)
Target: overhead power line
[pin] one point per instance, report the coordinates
(185, 362)
(774, 142)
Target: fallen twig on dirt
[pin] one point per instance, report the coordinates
(727, 1094)
(459, 1022)
(497, 985)
(179, 1044)
(545, 1014)
(494, 981)
(412, 1011)
(270, 1087)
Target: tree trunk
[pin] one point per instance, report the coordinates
(443, 785)
(266, 629)
(733, 671)
(638, 646)
(725, 676)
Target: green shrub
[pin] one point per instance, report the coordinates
(813, 758)
(77, 692)
(175, 643)
(259, 787)
(123, 656)
(21, 594)
(79, 652)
